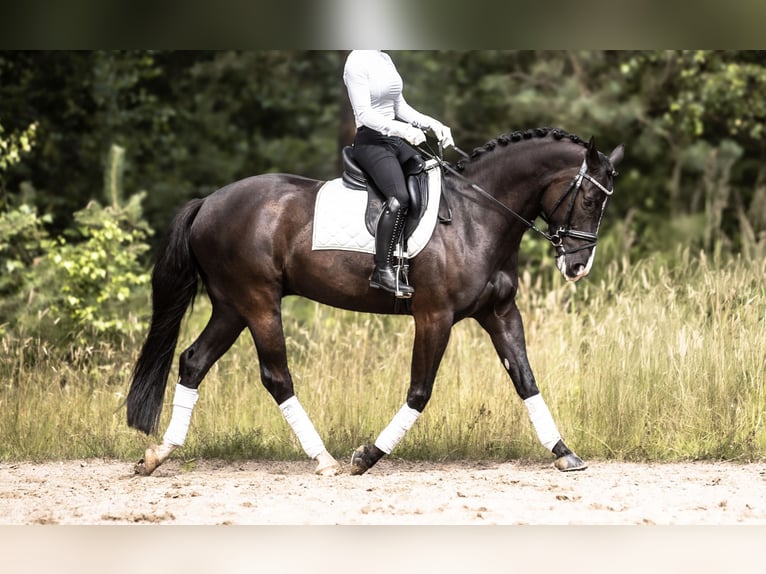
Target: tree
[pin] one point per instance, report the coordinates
(190, 122)
(709, 108)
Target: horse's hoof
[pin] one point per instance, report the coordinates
(569, 463)
(140, 469)
(327, 465)
(358, 463)
(332, 470)
(147, 465)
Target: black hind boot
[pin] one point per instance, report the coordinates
(390, 227)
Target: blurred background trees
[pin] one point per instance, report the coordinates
(189, 122)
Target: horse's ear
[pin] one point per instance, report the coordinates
(617, 154)
(591, 155)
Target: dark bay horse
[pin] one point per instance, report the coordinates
(250, 243)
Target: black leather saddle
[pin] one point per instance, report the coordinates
(416, 177)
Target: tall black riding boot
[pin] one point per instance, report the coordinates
(390, 227)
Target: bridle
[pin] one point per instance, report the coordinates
(555, 238)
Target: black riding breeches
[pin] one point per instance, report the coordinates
(382, 158)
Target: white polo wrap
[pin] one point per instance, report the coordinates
(183, 405)
(542, 421)
(396, 429)
(302, 427)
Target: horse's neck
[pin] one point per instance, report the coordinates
(518, 174)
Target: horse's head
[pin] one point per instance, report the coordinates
(574, 207)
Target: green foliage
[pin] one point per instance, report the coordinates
(653, 362)
(190, 122)
(87, 282)
(22, 235)
(14, 145)
(22, 242)
(81, 284)
(632, 361)
(717, 90)
(21, 239)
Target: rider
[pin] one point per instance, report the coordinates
(384, 120)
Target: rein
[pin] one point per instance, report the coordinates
(556, 239)
(564, 231)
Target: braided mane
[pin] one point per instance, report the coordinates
(517, 136)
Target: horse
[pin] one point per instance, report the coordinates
(250, 245)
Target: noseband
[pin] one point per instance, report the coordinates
(557, 238)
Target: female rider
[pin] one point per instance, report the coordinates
(385, 122)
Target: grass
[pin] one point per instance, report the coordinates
(644, 363)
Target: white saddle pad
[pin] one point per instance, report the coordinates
(339, 217)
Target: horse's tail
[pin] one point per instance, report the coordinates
(174, 286)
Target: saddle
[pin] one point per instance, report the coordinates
(416, 176)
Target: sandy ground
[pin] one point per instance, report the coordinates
(98, 492)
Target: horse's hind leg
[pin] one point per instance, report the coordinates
(266, 329)
(219, 335)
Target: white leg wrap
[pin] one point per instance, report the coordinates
(183, 405)
(396, 429)
(302, 427)
(542, 421)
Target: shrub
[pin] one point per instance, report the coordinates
(22, 241)
(84, 286)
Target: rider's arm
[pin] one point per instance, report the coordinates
(356, 76)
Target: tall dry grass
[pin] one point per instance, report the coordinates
(647, 363)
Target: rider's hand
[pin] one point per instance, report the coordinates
(414, 135)
(443, 134)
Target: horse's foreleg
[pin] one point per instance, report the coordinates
(431, 338)
(270, 343)
(507, 333)
(218, 336)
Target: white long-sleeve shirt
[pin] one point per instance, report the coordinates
(375, 91)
